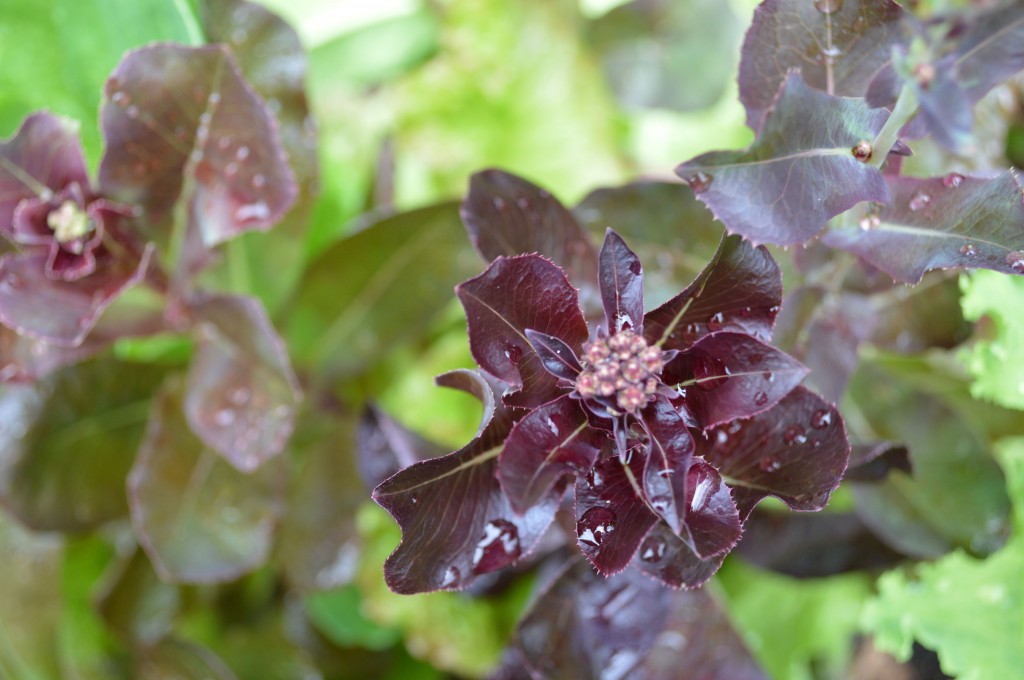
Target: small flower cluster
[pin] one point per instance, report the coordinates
(623, 366)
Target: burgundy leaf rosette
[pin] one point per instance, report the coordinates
(670, 425)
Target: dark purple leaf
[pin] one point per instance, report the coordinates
(557, 357)
(273, 61)
(512, 295)
(664, 223)
(943, 108)
(199, 519)
(797, 451)
(622, 285)
(242, 395)
(42, 158)
(668, 558)
(447, 545)
(24, 360)
(712, 520)
(739, 290)
(550, 442)
(991, 50)
(63, 312)
(874, 462)
(942, 222)
(584, 626)
(384, 447)
(669, 454)
(67, 443)
(177, 118)
(611, 518)
(485, 388)
(812, 545)
(507, 215)
(318, 545)
(837, 52)
(799, 173)
(730, 375)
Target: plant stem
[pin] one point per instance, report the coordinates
(902, 112)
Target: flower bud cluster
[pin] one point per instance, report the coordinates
(622, 366)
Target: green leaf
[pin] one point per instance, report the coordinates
(970, 611)
(67, 443)
(338, 615)
(997, 359)
(57, 53)
(794, 626)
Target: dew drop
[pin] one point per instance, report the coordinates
(716, 322)
(214, 98)
(205, 118)
(242, 152)
(252, 212)
(709, 372)
(700, 182)
(828, 6)
(761, 398)
(919, 201)
(223, 143)
(768, 375)
(1015, 260)
(952, 180)
(497, 548)
(832, 52)
(239, 395)
(793, 435)
(635, 267)
(869, 222)
(653, 549)
(224, 417)
(968, 250)
(499, 203)
(258, 181)
(821, 419)
(721, 437)
(769, 464)
(231, 169)
(594, 525)
(513, 353)
(691, 330)
(451, 577)
(121, 99)
(522, 203)
(594, 479)
(132, 111)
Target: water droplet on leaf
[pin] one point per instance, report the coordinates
(821, 419)
(709, 372)
(952, 180)
(1015, 260)
(594, 525)
(828, 6)
(716, 322)
(700, 182)
(919, 201)
(968, 250)
(653, 549)
(793, 435)
(497, 548)
(450, 578)
(514, 353)
(769, 464)
(761, 398)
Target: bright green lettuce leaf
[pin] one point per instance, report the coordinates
(792, 626)
(970, 611)
(996, 362)
(56, 54)
(474, 630)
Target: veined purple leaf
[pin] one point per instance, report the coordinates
(557, 357)
(585, 626)
(942, 222)
(272, 59)
(622, 285)
(43, 157)
(67, 443)
(24, 360)
(447, 545)
(800, 172)
(943, 108)
(671, 560)
(669, 454)
(183, 118)
(739, 290)
(837, 51)
(384, 446)
(797, 451)
(507, 215)
(62, 312)
(550, 442)
(611, 517)
(730, 375)
(485, 388)
(990, 51)
(242, 395)
(512, 295)
(199, 519)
